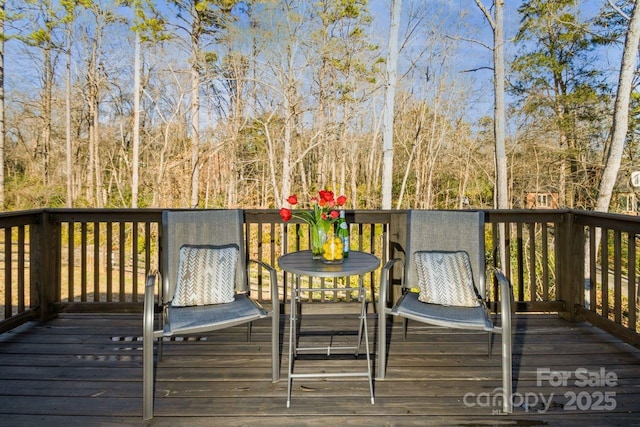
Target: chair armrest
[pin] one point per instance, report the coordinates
(275, 319)
(147, 342)
(506, 290)
(273, 279)
(506, 298)
(384, 280)
(150, 301)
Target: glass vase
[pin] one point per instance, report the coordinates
(318, 238)
(332, 253)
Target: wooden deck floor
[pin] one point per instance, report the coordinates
(86, 370)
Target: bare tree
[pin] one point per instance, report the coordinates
(501, 198)
(68, 19)
(147, 25)
(2, 108)
(201, 23)
(620, 113)
(390, 92)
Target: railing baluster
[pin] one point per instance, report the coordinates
(260, 256)
(20, 270)
(109, 260)
(520, 259)
(617, 276)
(122, 245)
(96, 261)
(83, 263)
(545, 260)
(604, 273)
(507, 239)
(71, 255)
(134, 261)
(8, 268)
(491, 287)
(147, 245)
(631, 281)
(593, 270)
(532, 261)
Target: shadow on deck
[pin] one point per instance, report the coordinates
(86, 370)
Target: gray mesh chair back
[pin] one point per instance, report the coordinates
(446, 231)
(199, 227)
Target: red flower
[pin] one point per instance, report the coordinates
(322, 208)
(285, 214)
(327, 196)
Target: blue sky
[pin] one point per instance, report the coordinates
(464, 19)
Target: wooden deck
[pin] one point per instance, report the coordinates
(86, 369)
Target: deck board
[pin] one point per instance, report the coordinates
(86, 369)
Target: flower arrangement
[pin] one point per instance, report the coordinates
(322, 214)
(323, 208)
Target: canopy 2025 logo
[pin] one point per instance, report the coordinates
(582, 399)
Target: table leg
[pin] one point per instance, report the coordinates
(292, 337)
(363, 329)
(293, 342)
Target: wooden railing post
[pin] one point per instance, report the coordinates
(45, 259)
(397, 243)
(570, 266)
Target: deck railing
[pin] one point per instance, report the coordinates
(96, 260)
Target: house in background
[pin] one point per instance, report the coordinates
(627, 203)
(627, 199)
(541, 200)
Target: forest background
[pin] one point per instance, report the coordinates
(242, 103)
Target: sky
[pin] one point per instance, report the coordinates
(464, 19)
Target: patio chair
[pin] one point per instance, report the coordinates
(443, 283)
(204, 285)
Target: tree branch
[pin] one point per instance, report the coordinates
(472, 70)
(617, 9)
(478, 42)
(487, 14)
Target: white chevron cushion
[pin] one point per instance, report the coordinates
(445, 278)
(206, 275)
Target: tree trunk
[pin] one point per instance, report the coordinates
(499, 125)
(68, 145)
(100, 202)
(195, 135)
(47, 95)
(387, 137)
(2, 12)
(620, 113)
(501, 196)
(135, 161)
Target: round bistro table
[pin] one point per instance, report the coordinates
(302, 264)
